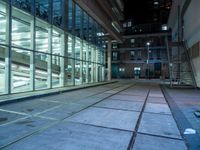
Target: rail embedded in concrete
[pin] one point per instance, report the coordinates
(11, 98)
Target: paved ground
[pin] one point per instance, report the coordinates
(184, 102)
(117, 116)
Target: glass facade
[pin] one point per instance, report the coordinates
(48, 44)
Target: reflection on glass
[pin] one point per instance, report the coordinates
(90, 30)
(84, 71)
(70, 51)
(41, 39)
(2, 69)
(41, 71)
(85, 26)
(20, 71)
(23, 4)
(77, 48)
(70, 15)
(21, 29)
(3, 23)
(70, 66)
(90, 72)
(57, 12)
(78, 21)
(56, 42)
(77, 72)
(56, 71)
(85, 48)
(42, 9)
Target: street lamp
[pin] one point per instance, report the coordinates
(148, 44)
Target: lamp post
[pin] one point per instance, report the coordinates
(148, 44)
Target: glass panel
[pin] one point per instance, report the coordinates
(2, 68)
(89, 53)
(77, 48)
(57, 42)
(23, 4)
(85, 26)
(94, 36)
(20, 71)
(70, 15)
(41, 71)
(78, 21)
(42, 9)
(56, 70)
(84, 71)
(85, 48)
(90, 29)
(90, 72)
(77, 72)
(57, 12)
(3, 23)
(70, 69)
(42, 36)
(70, 50)
(21, 29)
(94, 71)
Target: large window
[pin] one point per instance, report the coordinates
(42, 9)
(2, 69)
(57, 12)
(78, 72)
(78, 48)
(21, 29)
(3, 22)
(85, 26)
(41, 70)
(78, 21)
(70, 72)
(70, 15)
(43, 35)
(23, 4)
(20, 70)
(46, 52)
(70, 50)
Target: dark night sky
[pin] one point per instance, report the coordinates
(138, 10)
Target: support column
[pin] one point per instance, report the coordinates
(81, 63)
(32, 57)
(87, 64)
(96, 68)
(49, 66)
(73, 60)
(103, 65)
(8, 56)
(92, 64)
(109, 69)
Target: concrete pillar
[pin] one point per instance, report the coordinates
(81, 63)
(96, 68)
(49, 66)
(87, 64)
(32, 57)
(109, 69)
(8, 56)
(92, 64)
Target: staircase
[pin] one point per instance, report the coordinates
(181, 70)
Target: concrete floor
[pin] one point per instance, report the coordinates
(117, 116)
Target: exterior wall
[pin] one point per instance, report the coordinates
(48, 44)
(191, 32)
